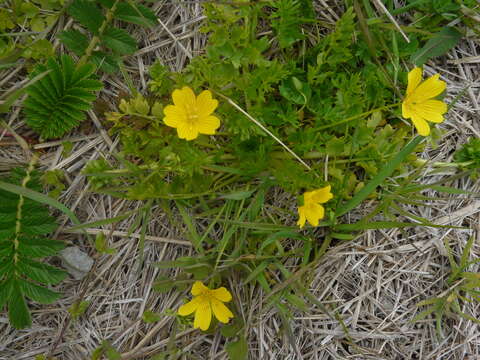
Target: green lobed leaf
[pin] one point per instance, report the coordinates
(438, 45)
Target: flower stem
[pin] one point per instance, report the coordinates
(357, 116)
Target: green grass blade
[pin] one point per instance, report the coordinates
(39, 197)
(386, 171)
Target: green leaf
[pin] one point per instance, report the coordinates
(41, 198)
(438, 45)
(57, 103)
(151, 317)
(78, 309)
(40, 272)
(386, 171)
(232, 329)
(110, 352)
(238, 195)
(38, 293)
(38, 247)
(87, 14)
(106, 62)
(101, 245)
(75, 41)
(135, 14)
(119, 41)
(18, 313)
(237, 350)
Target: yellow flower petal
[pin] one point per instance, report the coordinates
(208, 125)
(302, 218)
(422, 126)
(203, 316)
(174, 115)
(188, 308)
(314, 213)
(198, 288)
(321, 195)
(414, 79)
(222, 294)
(431, 110)
(221, 312)
(406, 110)
(184, 97)
(428, 89)
(187, 131)
(205, 104)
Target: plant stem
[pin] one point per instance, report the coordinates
(442, 164)
(96, 38)
(356, 117)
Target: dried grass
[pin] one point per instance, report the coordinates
(372, 283)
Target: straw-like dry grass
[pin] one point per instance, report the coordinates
(373, 282)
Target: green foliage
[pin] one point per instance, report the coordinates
(438, 45)
(101, 42)
(237, 350)
(288, 18)
(78, 309)
(24, 224)
(106, 350)
(34, 16)
(469, 154)
(57, 103)
(462, 286)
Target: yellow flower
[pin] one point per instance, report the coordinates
(311, 209)
(419, 103)
(206, 301)
(191, 115)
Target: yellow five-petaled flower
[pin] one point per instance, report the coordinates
(191, 115)
(206, 301)
(311, 209)
(419, 103)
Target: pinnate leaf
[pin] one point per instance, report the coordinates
(119, 41)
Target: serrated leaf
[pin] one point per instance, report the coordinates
(119, 41)
(106, 62)
(37, 247)
(38, 293)
(40, 272)
(438, 45)
(75, 41)
(87, 14)
(135, 14)
(18, 313)
(51, 108)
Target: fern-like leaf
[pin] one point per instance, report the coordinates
(288, 18)
(24, 224)
(57, 103)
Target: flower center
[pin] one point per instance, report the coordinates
(192, 114)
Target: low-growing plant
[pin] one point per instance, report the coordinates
(99, 40)
(463, 287)
(57, 103)
(318, 116)
(24, 225)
